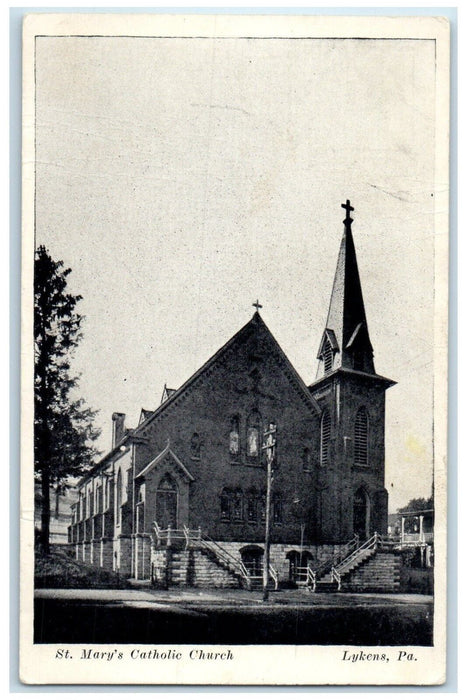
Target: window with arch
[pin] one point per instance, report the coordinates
(262, 506)
(325, 438)
(108, 483)
(140, 498)
(251, 506)
(118, 499)
(167, 502)
(234, 437)
(226, 505)
(327, 356)
(361, 437)
(98, 495)
(277, 508)
(195, 446)
(237, 505)
(253, 437)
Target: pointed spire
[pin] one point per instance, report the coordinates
(346, 342)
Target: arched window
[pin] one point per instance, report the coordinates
(253, 436)
(327, 356)
(277, 508)
(107, 492)
(167, 502)
(98, 507)
(262, 506)
(361, 514)
(195, 446)
(140, 497)
(226, 505)
(234, 437)
(325, 438)
(306, 459)
(238, 505)
(251, 506)
(361, 438)
(118, 503)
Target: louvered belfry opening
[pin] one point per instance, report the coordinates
(325, 438)
(328, 357)
(361, 438)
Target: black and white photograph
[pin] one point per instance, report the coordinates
(234, 328)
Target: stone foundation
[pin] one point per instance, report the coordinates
(141, 557)
(137, 557)
(121, 562)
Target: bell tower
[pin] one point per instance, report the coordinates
(352, 399)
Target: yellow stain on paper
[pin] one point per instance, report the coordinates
(415, 448)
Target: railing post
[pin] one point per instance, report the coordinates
(199, 533)
(169, 536)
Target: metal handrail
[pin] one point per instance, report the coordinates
(333, 561)
(371, 543)
(274, 576)
(191, 535)
(225, 556)
(310, 578)
(335, 576)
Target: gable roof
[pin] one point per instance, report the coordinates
(167, 393)
(256, 323)
(166, 453)
(145, 413)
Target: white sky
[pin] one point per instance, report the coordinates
(182, 179)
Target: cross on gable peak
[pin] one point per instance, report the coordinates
(257, 305)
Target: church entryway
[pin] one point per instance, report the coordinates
(361, 514)
(167, 503)
(252, 558)
(298, 564)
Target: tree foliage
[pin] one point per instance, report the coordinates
(64, 430)
(417, 504)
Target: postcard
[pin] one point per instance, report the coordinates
(234, 349)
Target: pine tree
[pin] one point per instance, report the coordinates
(64, 430)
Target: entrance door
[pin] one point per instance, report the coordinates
(252, 558)
(361, 514)
(167, 503)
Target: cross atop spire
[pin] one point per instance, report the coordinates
(348, 208)
(257, 305)
(346, 338)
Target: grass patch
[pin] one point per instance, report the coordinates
(59, 570)
(416, 580)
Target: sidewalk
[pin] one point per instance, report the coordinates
(233, 598)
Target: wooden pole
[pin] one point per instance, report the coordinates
(269, 445)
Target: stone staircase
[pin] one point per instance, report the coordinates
(191, 558)
(374, 566)
(196, 567)
(378, 573)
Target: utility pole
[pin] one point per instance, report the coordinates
(270, 447)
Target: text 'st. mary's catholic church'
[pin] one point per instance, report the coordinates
(180, 499)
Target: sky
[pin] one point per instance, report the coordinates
(182, 179)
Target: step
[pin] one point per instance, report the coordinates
(326, 586)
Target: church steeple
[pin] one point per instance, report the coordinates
(346, 342)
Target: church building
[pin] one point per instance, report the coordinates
(181, 498)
